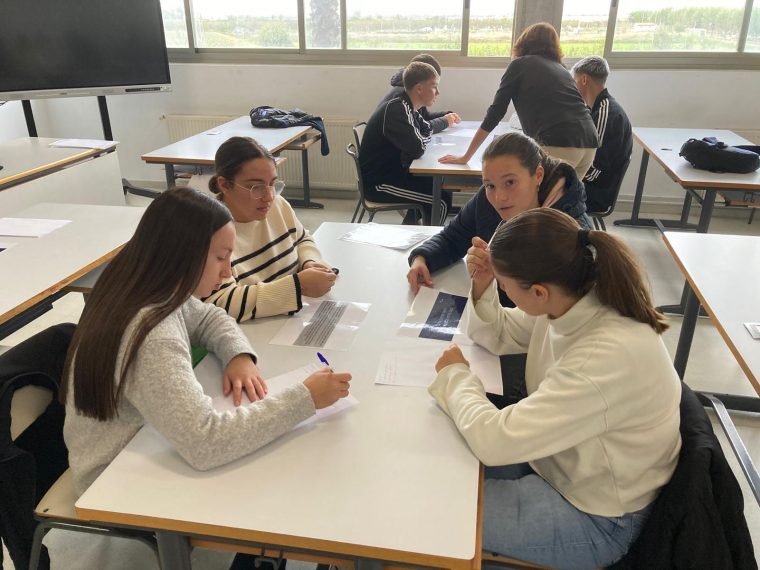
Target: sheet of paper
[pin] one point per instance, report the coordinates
(83, 143)
(29, 227)
(210, 370)
(4, 246)
(384, 235)
(435, 314)
(411, 362)
(465, 133)
(323, 323)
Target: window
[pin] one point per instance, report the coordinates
(322, 23)
(584, 27)
(753, 33)
(402, 25)
(175, 25)
(678, 25)
(243, 24)
(490, 32)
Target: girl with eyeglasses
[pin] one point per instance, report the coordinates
(275, 261)
(574, 467)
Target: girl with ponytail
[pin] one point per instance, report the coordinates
(580, 460)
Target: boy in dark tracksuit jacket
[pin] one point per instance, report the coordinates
(437, 119)
(612, 127)
(396, 134)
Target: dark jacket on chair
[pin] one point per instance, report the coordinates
(34, 461)
(698, 518)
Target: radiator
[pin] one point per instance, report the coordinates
(334, 171)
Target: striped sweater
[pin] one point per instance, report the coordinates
(268, 255)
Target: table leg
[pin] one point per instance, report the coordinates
(634, 221)
(708, 204)
(169, 171)
(690, 314)
(435, 214)
(306, 202)
(173, 551)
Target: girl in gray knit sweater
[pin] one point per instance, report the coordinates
(129, 362)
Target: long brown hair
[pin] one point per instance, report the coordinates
(230, 157)
(544, 245)
(539, 39)
(160, 267)
(531, 156)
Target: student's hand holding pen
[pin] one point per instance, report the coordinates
(327, 387)
(316, 279)
(243, 374)
(479, 267)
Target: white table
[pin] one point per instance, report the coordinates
(722, 273)
(200, 149)
(663, 144)
(390, 479)
(34, 269)
(446, 142)
(35, 172)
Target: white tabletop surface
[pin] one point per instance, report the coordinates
(201, 148)
(391, 474)
(663, 144)
(30, 155)
(724, 272)
(36, 267)
(448, 142)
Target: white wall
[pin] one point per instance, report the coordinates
(694, 98)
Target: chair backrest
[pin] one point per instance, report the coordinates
(616, 191)
(358, 129)
(702, 499)
(353, 152)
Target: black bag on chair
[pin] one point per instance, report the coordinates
(711, 154)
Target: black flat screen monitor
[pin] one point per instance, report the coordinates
(58, 48)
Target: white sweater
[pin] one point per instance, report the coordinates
(268, 254)
(162, 390)
(601, 419)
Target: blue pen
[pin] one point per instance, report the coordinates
(323, 360)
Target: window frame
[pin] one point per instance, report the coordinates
(549, 10)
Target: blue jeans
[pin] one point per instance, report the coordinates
(526, 518)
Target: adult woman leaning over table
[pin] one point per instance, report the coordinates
(546, 99)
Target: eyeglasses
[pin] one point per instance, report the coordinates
(259, 190)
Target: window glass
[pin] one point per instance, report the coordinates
(753, 34)
(400, 24)
(490, 32)
(175, 27)
(245, 24)
(678, 25)
(584, 27)
(322, 23)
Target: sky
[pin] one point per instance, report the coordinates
(220, 8)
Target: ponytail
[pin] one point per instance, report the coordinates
(544, 245)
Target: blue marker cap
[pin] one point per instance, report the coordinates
(323, 360)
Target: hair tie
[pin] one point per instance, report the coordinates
(583, 240)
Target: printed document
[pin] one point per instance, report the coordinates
(411, 362)
(83, 143)
(384, 235)
(323, 324)
(435, 315)
(29, 227)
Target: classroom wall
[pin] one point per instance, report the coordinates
(663, 98)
